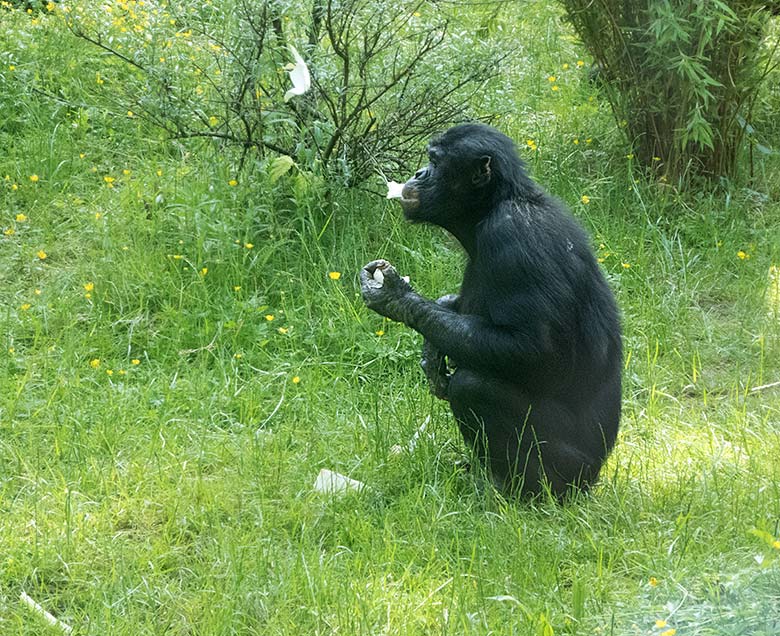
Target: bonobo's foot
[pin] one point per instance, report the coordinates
(434, 365)
(450, 301)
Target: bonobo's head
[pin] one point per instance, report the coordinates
(472, 168)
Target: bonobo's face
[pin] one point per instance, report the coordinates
(450, 185)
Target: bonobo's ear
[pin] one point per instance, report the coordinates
(481, 174)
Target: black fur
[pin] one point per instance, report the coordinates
(534, 335)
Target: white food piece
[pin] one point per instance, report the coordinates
(331, 482)
(299, 76)
(394, 190)
(379, 275)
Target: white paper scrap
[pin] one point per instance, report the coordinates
(332, 482)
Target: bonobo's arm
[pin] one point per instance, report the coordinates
(472, 341)
(434, 362)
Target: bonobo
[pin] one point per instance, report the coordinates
(529, 352)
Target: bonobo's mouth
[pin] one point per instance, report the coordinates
(410, 199)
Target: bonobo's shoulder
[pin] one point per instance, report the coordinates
(529, 220)
(537, 238)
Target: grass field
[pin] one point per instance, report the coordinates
(183, 348)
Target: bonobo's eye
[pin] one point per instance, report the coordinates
(434, 156)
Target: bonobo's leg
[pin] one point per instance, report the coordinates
(524, 444)
(434, 362)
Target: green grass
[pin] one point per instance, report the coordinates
(174, 495)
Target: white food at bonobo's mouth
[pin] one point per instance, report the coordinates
(379, 276)
(394, 190)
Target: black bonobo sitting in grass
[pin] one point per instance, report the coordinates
(529, 353)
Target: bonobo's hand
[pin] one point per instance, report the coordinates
(384, 290)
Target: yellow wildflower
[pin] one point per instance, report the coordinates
(232, 183)
(89, 286)
(204, 271)
(742, 255)
(94, 363)
(660, 623)
(20, 218)
(296, 379)
(269, 317)
(585, 199)
(25, 306)
(380, 332)
(135, 362)
(41, 254)
(9, 231)
(248, 246)
(334, 275)
(34, 178)
(580, 63)
(283, 330)
(669, 632)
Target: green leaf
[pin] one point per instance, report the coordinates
(280, 167)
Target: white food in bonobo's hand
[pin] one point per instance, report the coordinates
(394, 190)
(379, 276)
